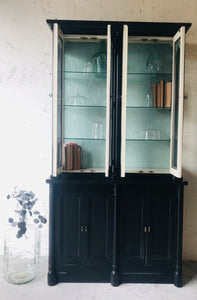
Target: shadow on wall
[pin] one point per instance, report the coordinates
(191, 52)
(190, 216)
(189, 271)
(190, 64)
(190, 191)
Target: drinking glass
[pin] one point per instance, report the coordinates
(98, 129)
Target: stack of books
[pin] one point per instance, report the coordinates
(162, 94)
(72, 156)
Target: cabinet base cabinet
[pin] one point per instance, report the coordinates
(116, 233)
(147, 278)
(82, 274)
(103, 276)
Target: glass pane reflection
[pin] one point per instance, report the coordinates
(59, 103)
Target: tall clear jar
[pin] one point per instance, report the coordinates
(22, 255)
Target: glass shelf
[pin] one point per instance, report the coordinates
(147, 171)
(151, 108)
(85, 106)
(129, 107)
(83, 139)
(147, 77)
(87, 170)
(84, 72)
(84, 75)
(144, 140)
(149, 74)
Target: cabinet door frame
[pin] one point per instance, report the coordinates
(107, 143)
(124, 98)
(176, 170)
(56, 35)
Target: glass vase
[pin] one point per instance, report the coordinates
(22, 255)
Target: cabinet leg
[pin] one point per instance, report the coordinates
(52, 279)
(178, 282)
(115, 281)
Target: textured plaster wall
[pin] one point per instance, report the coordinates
(25, 85)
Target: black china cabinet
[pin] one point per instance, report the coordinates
(116, 189)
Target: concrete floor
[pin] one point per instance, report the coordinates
(39, 290)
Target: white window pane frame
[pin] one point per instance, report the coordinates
(108, 100)
(177, 171)
(56, 34)
(124, 98)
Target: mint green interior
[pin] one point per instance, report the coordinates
(141, 152)
(85, 104)
(84, 101)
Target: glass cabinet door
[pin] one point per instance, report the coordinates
(146, 104)
(83, 113)
(57, 98)
(177, 102)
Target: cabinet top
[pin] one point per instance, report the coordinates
(134, 28)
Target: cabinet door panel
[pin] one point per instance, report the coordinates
(132, 228)
(161, 225)
(68, 222)
(57, 98)
(86, 109)
(99, 224)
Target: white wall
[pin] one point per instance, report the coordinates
(25, 85)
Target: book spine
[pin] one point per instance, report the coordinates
(65, 157)
(78, 157)
(72, 155)
(68, 157)
(168, 94)
(158, 95)
(75, 156)
(162, 93)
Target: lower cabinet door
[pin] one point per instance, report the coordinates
(83, 233)
(161, 227)
(147, 233)
(98, 229)
(132, 236)
(68, 220)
